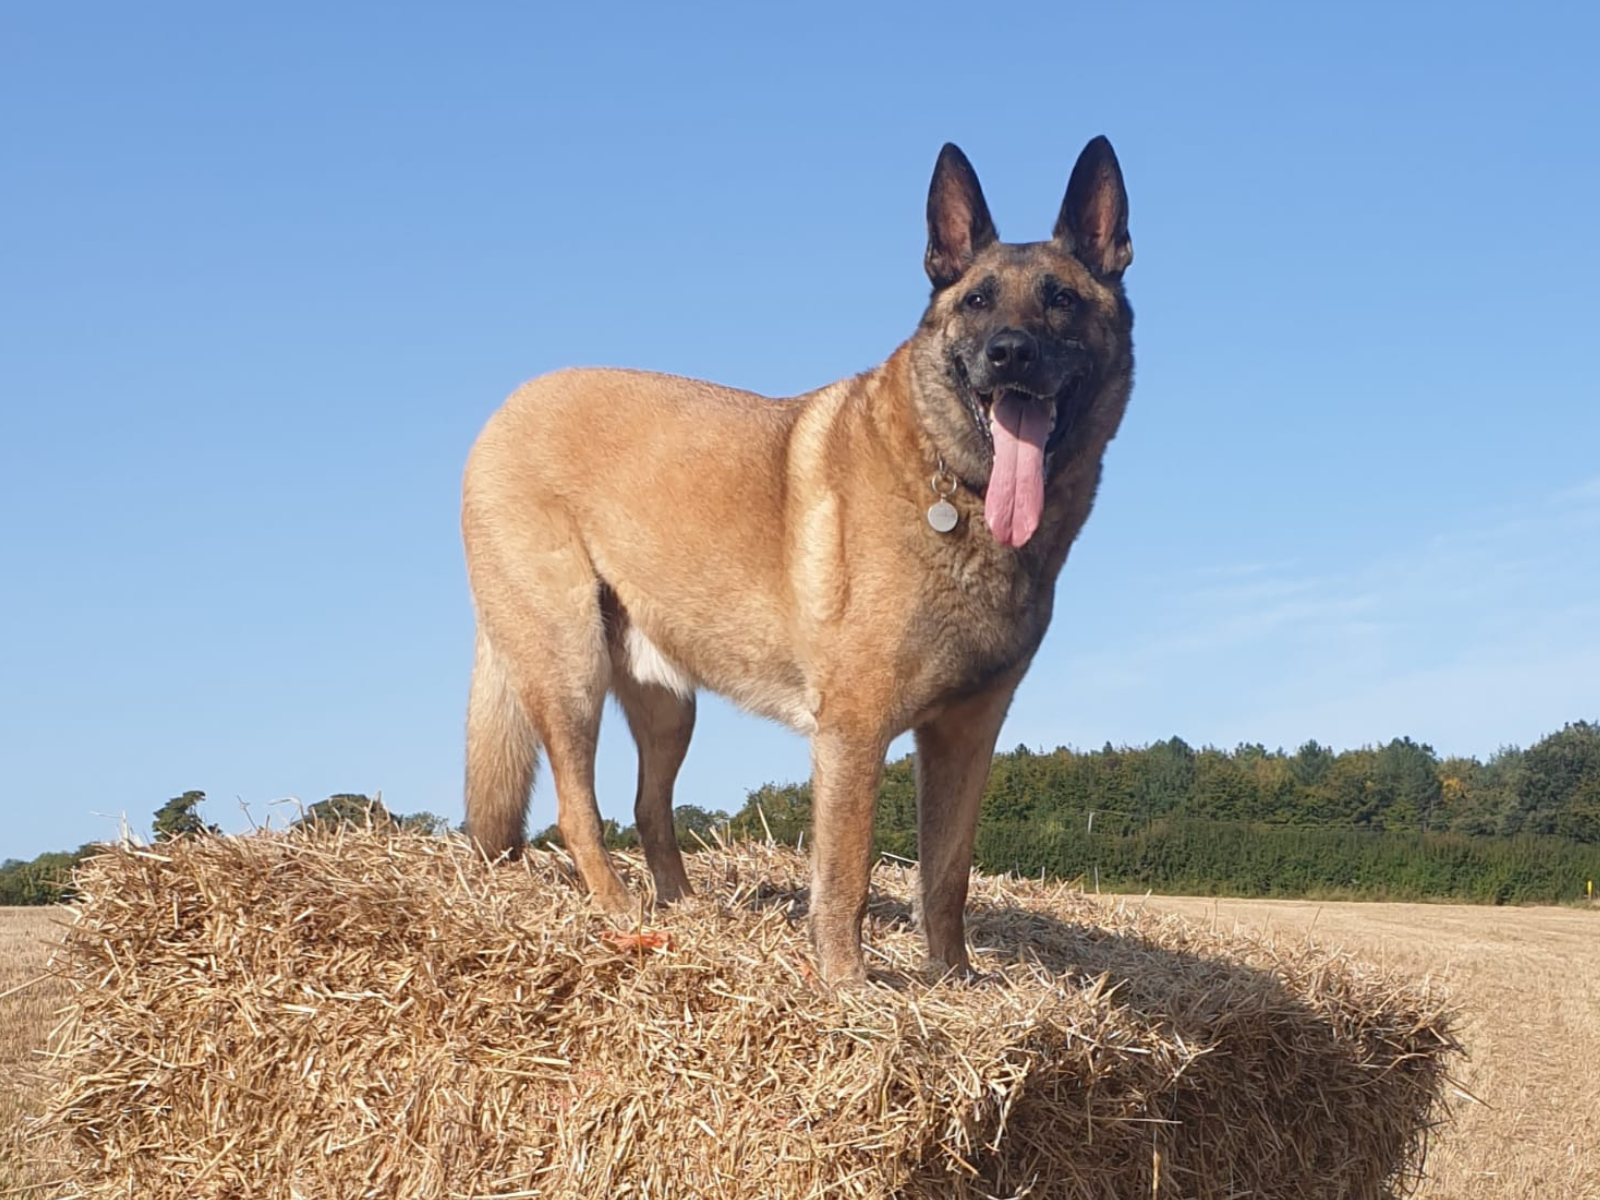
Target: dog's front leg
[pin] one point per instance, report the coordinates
(954, 753)
(846, 767)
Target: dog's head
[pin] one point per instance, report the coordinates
(1023, 346)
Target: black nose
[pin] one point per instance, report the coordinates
(1012, 350)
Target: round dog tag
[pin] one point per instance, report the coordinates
(942, 516)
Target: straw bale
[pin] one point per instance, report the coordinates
(380, 1014)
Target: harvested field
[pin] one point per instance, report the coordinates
(284, 1015)
(1527, 981)
(28, 1010)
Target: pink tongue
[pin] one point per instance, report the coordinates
(1015, 500)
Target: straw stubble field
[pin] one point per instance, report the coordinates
(1528, 984)
(1527, 980)
(28, 1006)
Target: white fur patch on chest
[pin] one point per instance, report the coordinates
(647, 664)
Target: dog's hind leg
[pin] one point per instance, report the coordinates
(572, 738)
(662, 721)
(566, 701)
(540, 603)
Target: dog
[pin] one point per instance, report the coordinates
(876, 556)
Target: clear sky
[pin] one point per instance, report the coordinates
(264, 272)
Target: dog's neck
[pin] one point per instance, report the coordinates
(897, 426)
(922, 471)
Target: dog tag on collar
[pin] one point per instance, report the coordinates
(942, 515)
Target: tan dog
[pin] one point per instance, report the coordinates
(876, 556)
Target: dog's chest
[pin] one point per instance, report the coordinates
(979, 614)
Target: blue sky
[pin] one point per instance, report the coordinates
(265, 272)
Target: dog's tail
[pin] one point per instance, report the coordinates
(502, 755)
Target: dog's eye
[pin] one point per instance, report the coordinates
(976, 300)
(1064, 299)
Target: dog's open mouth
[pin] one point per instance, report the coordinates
(980, 406)
(1022, 429)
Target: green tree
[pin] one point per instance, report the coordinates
(45, 880)
(1407, 778)
(1222, 789)
(1580, 819)
(177, 818)
(1501, 783)
(429, 823)
(894, 828)
(347, 808)
(1276, 796)
(1311, 763)
(694, 825)
(1162, 777)
(613, 834)
(1462, 797)
(1554, 769)
(784, 809)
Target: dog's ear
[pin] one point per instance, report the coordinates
(959, 225)
(1094, 216)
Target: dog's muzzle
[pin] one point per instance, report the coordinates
(979, 402)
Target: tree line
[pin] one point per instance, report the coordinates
(1392, 821)
(48, 878)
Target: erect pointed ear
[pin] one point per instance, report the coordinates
(1094, 216)
(959, 225)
